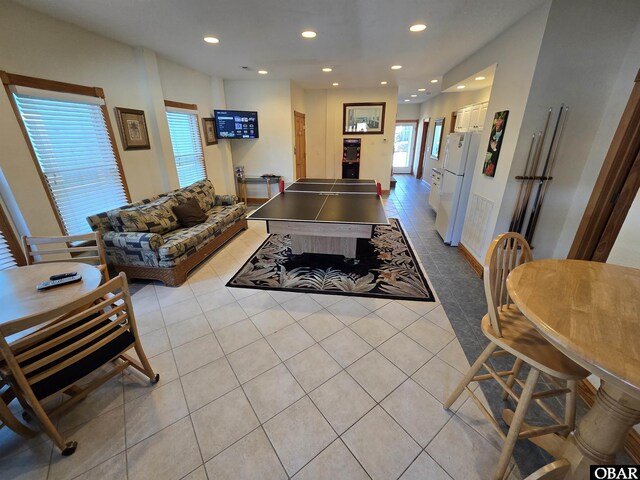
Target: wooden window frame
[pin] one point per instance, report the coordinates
(9, 79)
(10, 238)
(194, 107)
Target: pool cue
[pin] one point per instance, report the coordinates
(518, 206)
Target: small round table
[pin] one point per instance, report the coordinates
(19, 297)
(590, 312)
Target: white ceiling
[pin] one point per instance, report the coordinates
(359, 39)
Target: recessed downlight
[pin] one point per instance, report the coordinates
(460, 87)
(396, 67)
(211, 40)
(309, 34)
(435, 80)
(262, 72)
(327, 69)
(335, 84)
(480, 78)
(418, 27)
(414, 95)
(422, 89)
(407, 100)
(383, 83)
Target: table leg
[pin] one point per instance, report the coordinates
(268, 189)
(602, 431)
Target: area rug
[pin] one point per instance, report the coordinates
(385, 267)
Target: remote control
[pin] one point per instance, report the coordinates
(58, 283)
(58, 276)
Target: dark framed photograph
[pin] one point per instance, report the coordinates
(133, 129)
(438, 129)
(363, 118)
(209, 129)
(495, 143)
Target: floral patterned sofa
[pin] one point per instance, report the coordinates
(145, 240)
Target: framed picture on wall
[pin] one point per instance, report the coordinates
(363, 118)
(133, 129)
(495, 143)
(438, 128)
(209, 129)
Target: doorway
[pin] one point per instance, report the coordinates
(300, 147)
(423, 148)
(404, 145)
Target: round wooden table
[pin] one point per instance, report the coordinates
(591, 312)
(19, 297)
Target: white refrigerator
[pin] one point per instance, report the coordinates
(457, 172)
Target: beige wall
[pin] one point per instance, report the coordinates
(408, 111)
(37, 45)
(326, 106)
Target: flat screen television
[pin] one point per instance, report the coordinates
(236, 124)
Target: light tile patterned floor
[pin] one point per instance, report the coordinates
(273, 385)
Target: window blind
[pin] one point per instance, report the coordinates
(7, 259)
(76, 157)
(187, 147)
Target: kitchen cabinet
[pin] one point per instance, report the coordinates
(434, 193)
(471, 118)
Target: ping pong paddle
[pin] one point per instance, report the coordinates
(379, 189)
(281, 185)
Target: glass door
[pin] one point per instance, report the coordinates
(403, 147)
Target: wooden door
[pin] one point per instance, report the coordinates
(423, 146)
(300, 146)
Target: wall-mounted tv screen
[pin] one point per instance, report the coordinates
(236, 124)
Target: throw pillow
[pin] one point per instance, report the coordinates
(189, 213)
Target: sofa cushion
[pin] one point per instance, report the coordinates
(203, 191)
(227, 214)
(154, 217)
(188, 240)
(189, 213)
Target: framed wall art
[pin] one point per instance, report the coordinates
(209, 129)
(133, 129)
(438, 129)
(495, 143)
(363, 118)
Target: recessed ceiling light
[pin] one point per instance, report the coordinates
(435, 80)
(327, 69)
(460, 87)
(414, 95)
(480, 78)
(418, 27)
(407, 100)
(335, 84)
(422, 89)
(309, 34)
(383, 83)
(211, 40)
(262, 72)
(396, 67)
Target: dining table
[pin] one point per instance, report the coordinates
(20, 298)
(590, 311)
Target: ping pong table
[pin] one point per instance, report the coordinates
(324, 215)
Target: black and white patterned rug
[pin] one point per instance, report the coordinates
(385, 267)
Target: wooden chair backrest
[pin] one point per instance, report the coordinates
(85, 248)
(505, 253)
(110, 301)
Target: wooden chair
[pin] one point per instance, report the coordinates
(86, 248)
(509, 332)
(95, 330)
(7, 419)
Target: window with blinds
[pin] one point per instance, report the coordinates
(187, 147)
(75, 154)
(7, 260)
(10, 253)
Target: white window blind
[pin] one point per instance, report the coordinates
(6, 257)
(76, 156)
(187, 148)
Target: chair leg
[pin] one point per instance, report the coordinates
(516, 423)
(148, 369)
(7, 417)
(517, 365)
(470, 374)
(570, 405)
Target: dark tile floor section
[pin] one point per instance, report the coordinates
(461, 293)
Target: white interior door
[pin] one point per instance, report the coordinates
(403, 147)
